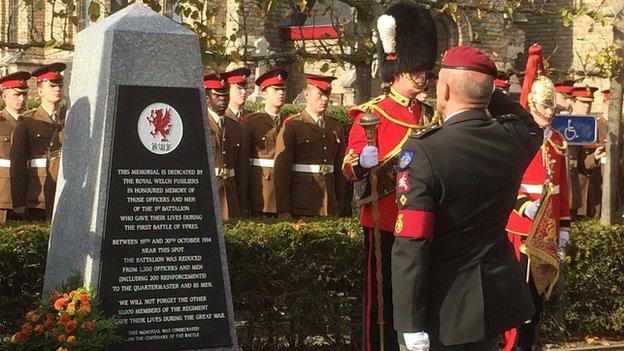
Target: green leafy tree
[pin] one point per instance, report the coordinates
(208, 18)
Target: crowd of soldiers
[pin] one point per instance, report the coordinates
(453, 201)
(303, 151)
(31, 143)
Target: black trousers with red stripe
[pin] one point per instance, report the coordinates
(370, 327)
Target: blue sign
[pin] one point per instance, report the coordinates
(576, 129)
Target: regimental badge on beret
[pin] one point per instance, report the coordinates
(405, 159)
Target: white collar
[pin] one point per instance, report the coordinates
(278, 115)
(15, 116)
(215, 116)
(234, 110)
(314, 116)
(51, 114)
(454, 114)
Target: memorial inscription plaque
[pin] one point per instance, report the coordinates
(161, 265)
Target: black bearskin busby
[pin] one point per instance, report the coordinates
(408, 40)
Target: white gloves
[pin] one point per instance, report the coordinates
(564, 237)
(417, 341)
(531, 210)
(369, 157)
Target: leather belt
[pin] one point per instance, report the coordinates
(535, 189)
(322, 169)
(225, 172)
(263, 162)
(38, 162)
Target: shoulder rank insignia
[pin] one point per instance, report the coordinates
(505, 118)
(29, 113)
(365, 107)
(405, 159)
(378, 99)
(424, 132)
(291, 118)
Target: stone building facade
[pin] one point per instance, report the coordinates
(267, 35)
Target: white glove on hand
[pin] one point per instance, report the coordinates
(531, 210)
(564, 237)
(417, 341)
(369, 157)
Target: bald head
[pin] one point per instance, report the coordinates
(459, 89)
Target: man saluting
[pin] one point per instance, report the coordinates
(456, 284)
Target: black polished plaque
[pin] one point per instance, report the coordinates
(161, 268)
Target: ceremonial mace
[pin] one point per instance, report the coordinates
(369, 122)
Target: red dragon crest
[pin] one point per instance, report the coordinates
(161, 120)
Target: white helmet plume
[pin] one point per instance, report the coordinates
(386, 26)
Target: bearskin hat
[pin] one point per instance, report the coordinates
(408, 40)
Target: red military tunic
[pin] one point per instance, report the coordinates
(531, 188)
(398, 121)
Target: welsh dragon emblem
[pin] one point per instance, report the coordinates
(160, 119)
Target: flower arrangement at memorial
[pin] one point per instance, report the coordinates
(68, 321)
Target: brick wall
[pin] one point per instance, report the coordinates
(503, 39)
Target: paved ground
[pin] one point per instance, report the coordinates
(614, 346)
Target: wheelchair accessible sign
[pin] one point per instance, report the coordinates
(576, 129)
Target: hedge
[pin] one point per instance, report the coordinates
(23, 250)
(298, 285)
(592, 302)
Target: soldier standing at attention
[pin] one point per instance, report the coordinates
(455, 280)
(308, 155)
(563, 96)
(237, 79)
(36, 148)
(407, 55)
(227, 136)
(259, 140)
(14, 89)
(546, 174)
(584, 162)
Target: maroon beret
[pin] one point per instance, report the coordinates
(470, 59)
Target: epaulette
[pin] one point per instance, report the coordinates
(28, 113)
(506, 118)
(247, 118)
(291, 118)
(425, 132)
(365, 106)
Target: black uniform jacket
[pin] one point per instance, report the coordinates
(454, 273)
